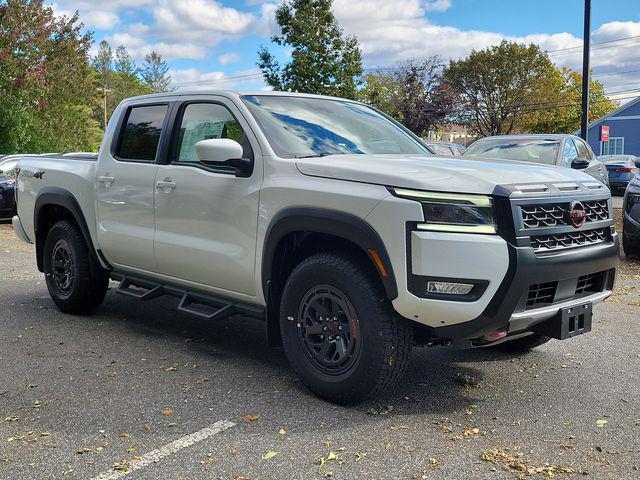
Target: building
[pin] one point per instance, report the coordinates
(618, 132)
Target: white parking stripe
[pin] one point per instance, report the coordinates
(155, 456)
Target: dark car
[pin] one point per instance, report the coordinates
(631, 221)
(621, 168)
(7, 188)
(557, 149)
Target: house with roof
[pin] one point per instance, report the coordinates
(618, 132)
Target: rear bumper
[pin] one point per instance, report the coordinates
(508, 310)
(19, 229)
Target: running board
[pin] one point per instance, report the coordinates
(200, 305)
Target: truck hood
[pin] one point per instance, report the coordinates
(462, 174)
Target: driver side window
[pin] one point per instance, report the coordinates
(569, 154)
(203, 121)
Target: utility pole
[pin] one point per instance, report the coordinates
(584, 126)
(105, 90)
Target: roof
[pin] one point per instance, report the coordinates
(235, 93)
(615, 112)
(530, 136)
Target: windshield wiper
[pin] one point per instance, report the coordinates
(315, 155)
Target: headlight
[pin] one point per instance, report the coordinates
(452, 212)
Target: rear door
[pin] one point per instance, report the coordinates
(207, 218)
(124, 187)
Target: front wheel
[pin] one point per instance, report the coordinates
(75, 285)
(339, 331)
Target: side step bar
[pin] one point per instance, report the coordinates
(201, 305)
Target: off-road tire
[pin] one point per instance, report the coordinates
(629, 249)
(522, 345)
(386, 339)
(87, 284)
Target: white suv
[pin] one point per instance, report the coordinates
(327, 219)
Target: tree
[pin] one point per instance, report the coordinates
(562, 110)
(323, 60)
(412, 92)
(103, 63)
(498, 85)
(126, 81)
(47, 89)
(155, 73)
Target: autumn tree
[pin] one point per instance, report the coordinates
(47, 89)
(561, 110)
(323, 60)
(498, 85)
(155, 73)
(412, 92)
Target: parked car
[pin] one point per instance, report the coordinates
(621, 168)
(443, 148)
(561, 150)
(631, 220)
(329, 221)
(7, 187)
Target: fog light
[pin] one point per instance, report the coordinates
(449, 288)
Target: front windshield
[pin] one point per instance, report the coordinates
(523, 150)
(299, 127)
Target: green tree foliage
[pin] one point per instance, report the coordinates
(411, 92)
(562, 111)
(500, 84)
(323, 60)
(47, 88)
(118, 76)
(155, 73)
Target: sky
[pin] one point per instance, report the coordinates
(213, 43)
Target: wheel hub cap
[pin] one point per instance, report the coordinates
(62, 267)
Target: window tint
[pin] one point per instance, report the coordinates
(202, 121)
(142, 128)
(570, 153)
(583, 150)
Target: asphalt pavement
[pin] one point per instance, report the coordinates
(139, 391)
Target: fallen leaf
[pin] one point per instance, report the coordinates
(11, 419)
(45, 434)
(234, 451)
(83, 450)
(251, 418)
(471, 432)
(601, 422)
(269, 454)
(170, 369)
(123, 434)
(148, 426)
(282, 431)
(167, 411)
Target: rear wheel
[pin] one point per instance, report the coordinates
(524, 344)
(75, 285)
(339, 331)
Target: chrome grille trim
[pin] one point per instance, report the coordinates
(581, 238)
(555, 214)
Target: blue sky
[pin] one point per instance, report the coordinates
(213, 44)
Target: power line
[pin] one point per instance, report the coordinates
(579, 47)
(611, 74)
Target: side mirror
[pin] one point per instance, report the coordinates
(580, 163)
(638, 163)
(226, 152)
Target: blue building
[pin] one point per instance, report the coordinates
(624, 131)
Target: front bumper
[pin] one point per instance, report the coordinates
(508, 310)
(19, 229)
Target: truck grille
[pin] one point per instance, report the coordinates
(546, 243)
(541, 294)
(556, 214)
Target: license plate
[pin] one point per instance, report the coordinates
(571, 321)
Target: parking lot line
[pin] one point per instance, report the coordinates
(155, 456)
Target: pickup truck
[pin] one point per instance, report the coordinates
(328, 220)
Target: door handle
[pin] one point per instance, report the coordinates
(106, 180)
(166, 185)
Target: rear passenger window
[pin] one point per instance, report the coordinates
(141, 133)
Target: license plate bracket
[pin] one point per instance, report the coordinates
(571, 321)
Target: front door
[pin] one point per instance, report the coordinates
(206, 218)
(124, 189)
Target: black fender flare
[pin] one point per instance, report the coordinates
(63, 198)
(330, 222)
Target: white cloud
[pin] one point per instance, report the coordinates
(194, 79)
(228, 58)
(437, 5)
